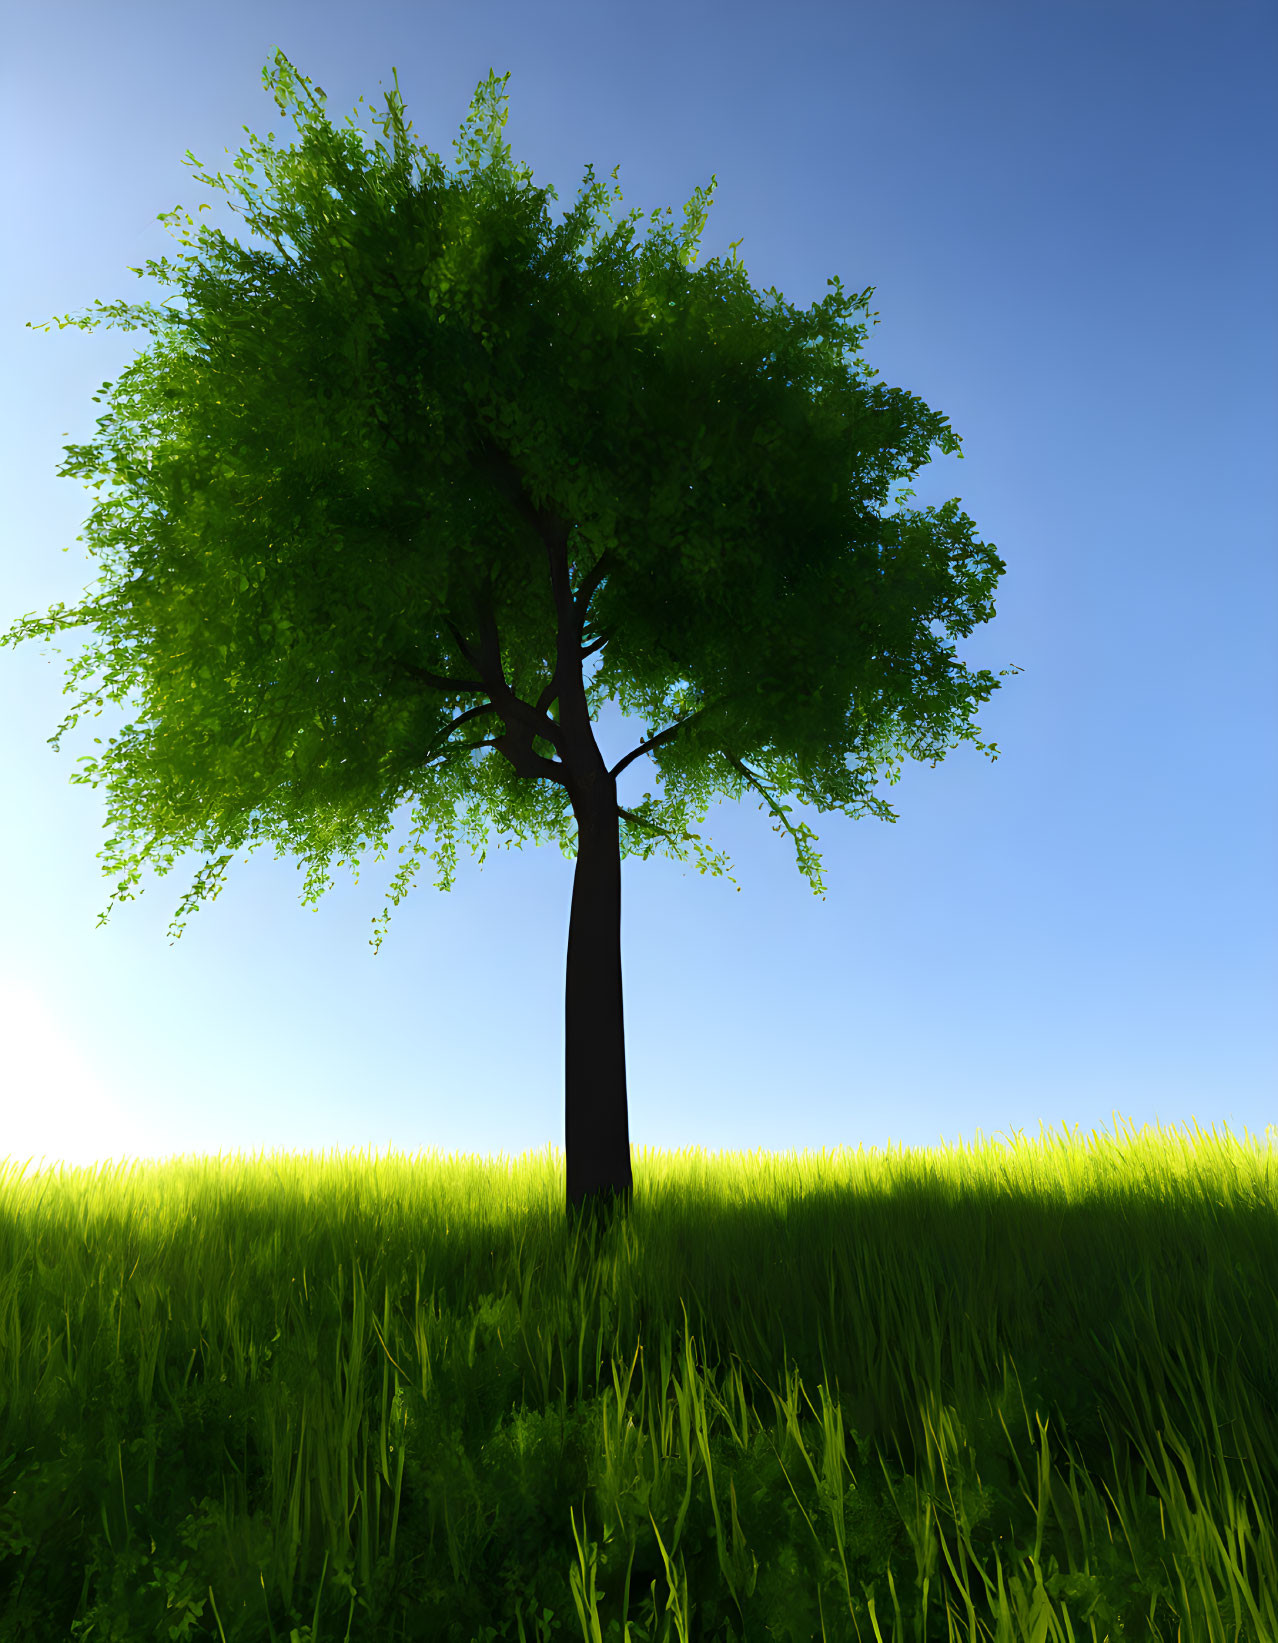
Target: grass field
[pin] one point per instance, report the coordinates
(1016, 1393)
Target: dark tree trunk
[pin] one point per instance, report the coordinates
(596, 1122)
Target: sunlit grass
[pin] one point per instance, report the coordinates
(1023, 1392)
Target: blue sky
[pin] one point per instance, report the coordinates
(1067, 214)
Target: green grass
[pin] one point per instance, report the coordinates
(1024, 1393)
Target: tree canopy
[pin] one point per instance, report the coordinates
(378, 497)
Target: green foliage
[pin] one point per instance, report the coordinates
(376, 490)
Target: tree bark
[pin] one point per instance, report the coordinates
(596, 1120)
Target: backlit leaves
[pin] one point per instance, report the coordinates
(347, 459)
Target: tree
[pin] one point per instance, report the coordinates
(403, 480)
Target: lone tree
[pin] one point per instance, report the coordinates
(400, 482)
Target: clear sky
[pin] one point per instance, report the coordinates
(1068, 215)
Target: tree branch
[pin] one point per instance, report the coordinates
(459, 686)
(641, 821)
(496, 465)
(458, 747)
(757, 783)
(471, 713)
(664, 736)
(522, 721)
(587, 591)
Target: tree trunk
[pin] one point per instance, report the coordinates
(596, 1121)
